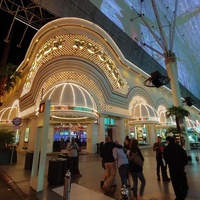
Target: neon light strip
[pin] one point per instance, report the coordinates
(73, 95)
(76, 118)
(85, 102)
(5, 109)
(147, 107)
(61, 96)
(53, 89)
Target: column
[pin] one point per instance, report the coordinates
(127, 128)
(120, 133)
(40, 150)
(152, 134)
(32, 134)
(171, 66)
(101, 129)
(22, 134)
(92, 138)
(50, 139)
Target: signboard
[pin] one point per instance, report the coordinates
(41, 108)
(17, 121)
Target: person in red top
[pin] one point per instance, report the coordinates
(159, 148)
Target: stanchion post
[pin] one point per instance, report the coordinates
(67, 186)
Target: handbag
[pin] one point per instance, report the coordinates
(137, 159)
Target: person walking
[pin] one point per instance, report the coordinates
(72, 148)
(122, 163)
(136, 170)
(110, 167)
(176, 158)
(126, 143)
(126, 148)
(159, 148)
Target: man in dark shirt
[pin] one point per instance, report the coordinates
(159, 148)
(176, 159)
(109, 161)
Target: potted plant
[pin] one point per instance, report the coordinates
(179, 113)
(7, 154)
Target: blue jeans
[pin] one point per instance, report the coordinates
(123, 173)
(135, 177)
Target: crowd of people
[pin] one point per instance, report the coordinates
(115, 156)
(129, 161)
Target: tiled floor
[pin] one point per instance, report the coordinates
(89, 184)
(77, 192)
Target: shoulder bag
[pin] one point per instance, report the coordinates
(137, 159)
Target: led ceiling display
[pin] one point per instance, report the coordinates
(126, 15)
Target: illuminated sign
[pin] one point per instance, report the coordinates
(80, 44)
(77, 45)
(17, 121)
(46, 49)
(42, 107)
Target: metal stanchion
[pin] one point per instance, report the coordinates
(67, 186)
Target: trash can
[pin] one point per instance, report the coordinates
(65, 156)
(101, 146)
(57, 170)
(29, 160)
(98, 148)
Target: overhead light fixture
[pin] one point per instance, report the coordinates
(189, 101)
(156, 80)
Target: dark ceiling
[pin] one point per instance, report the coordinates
(15, 54)
(19, 22)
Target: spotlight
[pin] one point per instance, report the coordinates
(189, 101)
(156, 80)
(189, 104)
(157, 83)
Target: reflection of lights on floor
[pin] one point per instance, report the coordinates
(193, 159)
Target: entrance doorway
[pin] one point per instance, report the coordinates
(63, 134)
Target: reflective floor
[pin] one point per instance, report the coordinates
(89, 183)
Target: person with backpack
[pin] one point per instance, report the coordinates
(136, 169)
